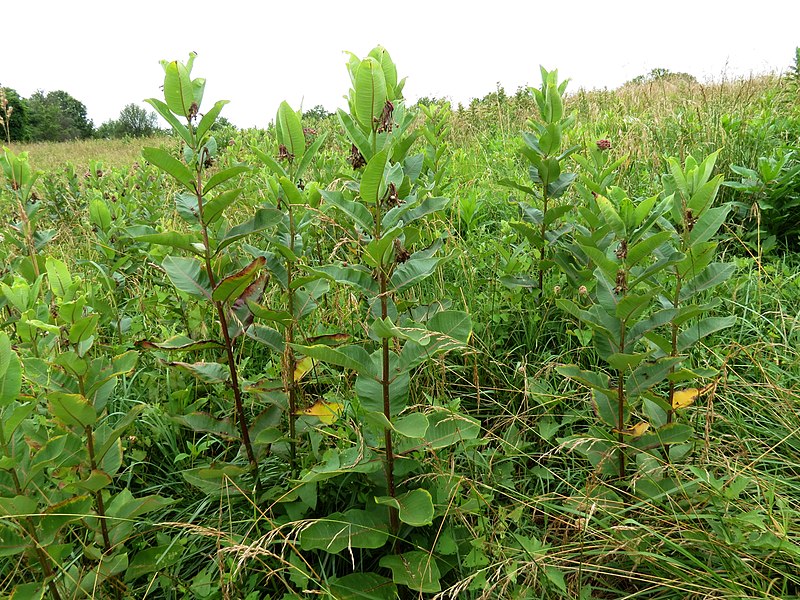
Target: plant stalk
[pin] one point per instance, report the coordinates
(223, 322)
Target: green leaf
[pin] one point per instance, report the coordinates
(354, 528)
(372, 179)
(645, 248)
(221, 177)
(309, 154)
(153, 560)
(370, 92)
(187, 275)
(713, 275)
(370, 390)
(12, 543)
(182, 241)
(355, 134)
(93, 482)
(704, 196)
(357, 275)
(357, 212)
(708, 224)
(349, 357)
(363, 586)
(59, 278)
(71, 409)
(171, 165)
(673, 433)
(10, 372)
(13, 415)
(263, 219)
(592, 379)
(209, 119)
(178, 88)
(415, 507)
(268, 336)
(611, 216)
(273, 165)
(648, 375)
(204, 422)
(412, 425)
(234, 285)
(163, 110)
(179, 343)
(413, 271)
(120, 428)
(697, 331)
(208, 372)
(290, 131)
(83, 329)
(290, 192)
(606, 407)
(447, 428)
(416, 570)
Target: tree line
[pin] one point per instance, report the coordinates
(57, 117)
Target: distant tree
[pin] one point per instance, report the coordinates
(317, 113)
(14, 115)
(661, 74)
(135, 121)
(107, 130)
(223, 124)
(57, 117)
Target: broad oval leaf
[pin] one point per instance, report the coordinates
(290, 131)
(187, 275)
(370, 92)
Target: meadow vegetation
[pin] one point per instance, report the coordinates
(543, 346)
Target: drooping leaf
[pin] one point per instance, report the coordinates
(447, 428)
(702, 328)
(204, 422)
(234, 285)
(415, 507)
(73, 410)
(208, 372)
(174, 239)
(634, 431)
(179, 343)
(349, 357)
(171, 165)
(266, 335)
(187, 275)
(363, 586)
(354, 528)
(263, 219)
(326, 412)
(416, 570)
(302, 367)
(219, 178)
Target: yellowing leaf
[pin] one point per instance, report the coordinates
(302, 367)
(327, 412)
(687, 397)
(636, 430)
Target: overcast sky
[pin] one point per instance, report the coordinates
(256, 54)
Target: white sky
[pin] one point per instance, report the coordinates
(256, 54)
